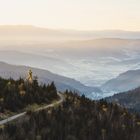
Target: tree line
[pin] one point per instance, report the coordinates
(15, 95)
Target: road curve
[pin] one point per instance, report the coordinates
(39, 109)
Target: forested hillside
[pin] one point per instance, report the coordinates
(78, 118)
(15, 95)
(129, 99)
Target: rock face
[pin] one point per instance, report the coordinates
(124, 82)
(129, 99)
(44, 76)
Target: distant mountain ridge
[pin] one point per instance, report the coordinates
(44, 76)
(24, 32)
(126, 81)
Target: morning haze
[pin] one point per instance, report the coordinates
(69, 70)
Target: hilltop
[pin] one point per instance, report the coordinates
(16, 95)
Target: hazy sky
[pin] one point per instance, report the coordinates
(72, 14)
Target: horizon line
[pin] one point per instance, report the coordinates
(66, 29)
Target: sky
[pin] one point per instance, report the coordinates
(72, 14)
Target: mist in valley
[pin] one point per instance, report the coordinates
(89, 57)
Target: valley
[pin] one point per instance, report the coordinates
(69, 70)
(89, 59)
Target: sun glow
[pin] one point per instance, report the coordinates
(72, 14)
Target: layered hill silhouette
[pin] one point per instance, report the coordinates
(44, 76)
(28, 32)
(126, 81)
